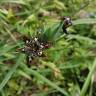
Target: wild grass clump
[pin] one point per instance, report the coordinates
(67, 67)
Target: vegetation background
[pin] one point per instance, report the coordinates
(68, 68)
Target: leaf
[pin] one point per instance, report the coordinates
(10, 73)
(20, 72)
(84, 21)
(88, 79)
(59, 4)
(44, 79)
(10, 13)
(13, 1)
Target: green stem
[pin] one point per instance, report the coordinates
(87, 82)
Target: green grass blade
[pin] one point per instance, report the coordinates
(13, 1)
(33, 72)
(84, 21)
(87, 82)
(10, 73)
(78, 37)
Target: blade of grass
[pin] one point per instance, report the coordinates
(10, 73)
(84, 21)
(76, 22)
(2, 93)
(87, 82)
(24, 74)
(78, 37)
(13, 1)
(12, 36)
(6, 48)
(35, 73)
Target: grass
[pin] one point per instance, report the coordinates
(87, 82)
(68, 65)
(10, 73)
(47, 81)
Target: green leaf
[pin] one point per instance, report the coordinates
(44, 79)
(84, 21)
(13, 1)
(10, 73)
(87, 82)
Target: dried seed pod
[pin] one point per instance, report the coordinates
(29, 60)
(66, 23)
(33, 47)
